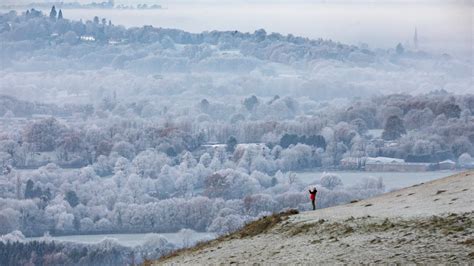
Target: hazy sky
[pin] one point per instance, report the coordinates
(469, 2)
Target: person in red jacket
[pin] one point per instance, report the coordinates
(312, 196)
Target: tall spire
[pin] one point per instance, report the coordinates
(415, 39)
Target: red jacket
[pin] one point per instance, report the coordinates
(312, 194)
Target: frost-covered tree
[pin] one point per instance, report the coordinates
(124, 149)
(417, 118)
(393, 129)
(227, 224)
(231, 143)
(44, 134)
(330, 181)
(251, 102)
(205, 159)
(53, 13)
(288, 139)
(466, 160)
(148, 163)
(72, 198)
(449, 109)
(155, 246)
(462, 145)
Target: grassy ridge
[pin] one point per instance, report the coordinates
(251, 229)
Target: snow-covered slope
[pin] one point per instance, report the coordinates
(431, 222)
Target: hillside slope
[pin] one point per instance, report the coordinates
(431, 222)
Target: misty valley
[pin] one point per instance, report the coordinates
(122, 144)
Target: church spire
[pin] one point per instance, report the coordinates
(415, 39)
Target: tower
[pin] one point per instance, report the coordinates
(415, 39)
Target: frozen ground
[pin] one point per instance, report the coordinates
(427, 223)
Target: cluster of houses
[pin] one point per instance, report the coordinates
(413, 163)
(386, 164)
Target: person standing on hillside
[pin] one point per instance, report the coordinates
(312, 196)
